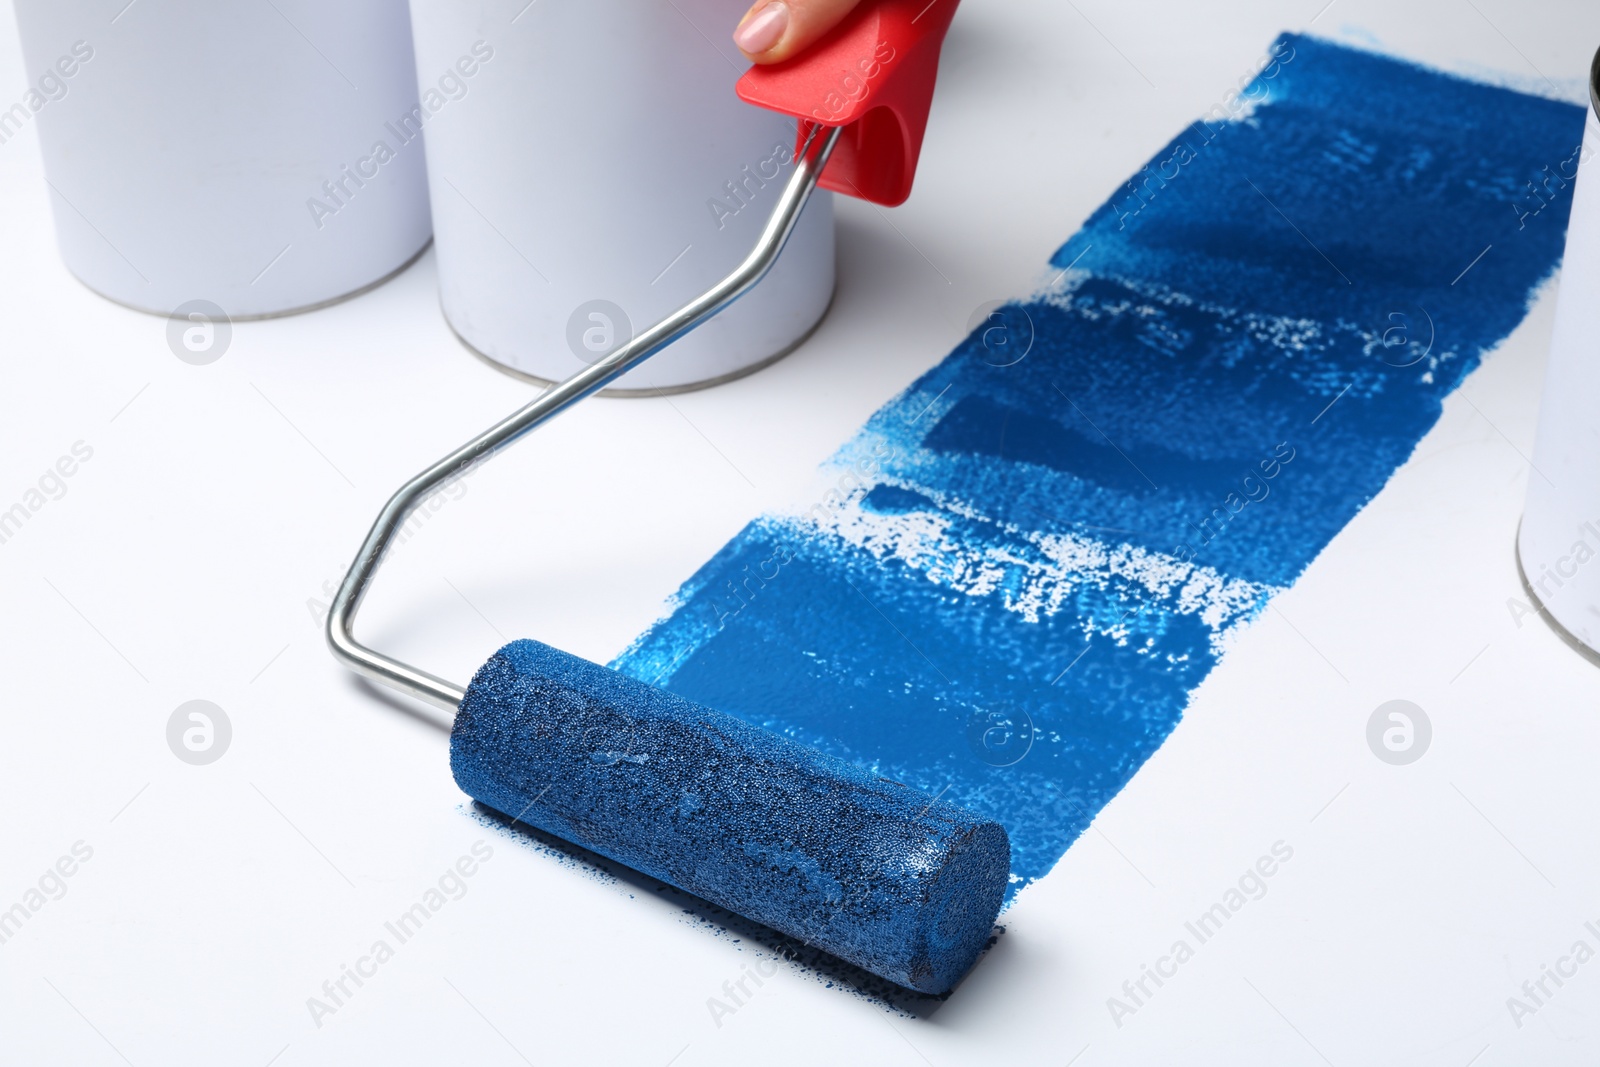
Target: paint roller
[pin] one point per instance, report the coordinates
(901, 884)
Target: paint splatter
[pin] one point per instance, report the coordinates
(1032, 556)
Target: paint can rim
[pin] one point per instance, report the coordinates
(263, 316)
(648, 392)
(1568, 638)
(1594, 83)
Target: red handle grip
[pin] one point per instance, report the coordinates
(873, 75)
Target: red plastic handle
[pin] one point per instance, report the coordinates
(873, 75)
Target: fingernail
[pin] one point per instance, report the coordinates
(763, 29)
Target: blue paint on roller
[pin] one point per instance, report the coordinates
(904, 885)
(1025, 568)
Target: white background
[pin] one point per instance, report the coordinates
(221, 498)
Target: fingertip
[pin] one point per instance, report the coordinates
(762, 30)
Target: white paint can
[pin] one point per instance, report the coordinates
(189, 143)
(592, 171)
(1558, 545)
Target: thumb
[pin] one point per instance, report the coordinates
(775, 30)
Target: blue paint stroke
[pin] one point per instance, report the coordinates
(1025, 566)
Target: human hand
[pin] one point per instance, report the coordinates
(775, 30)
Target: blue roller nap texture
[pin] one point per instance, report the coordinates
(870, 870)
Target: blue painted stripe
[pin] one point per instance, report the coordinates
(1037, 551)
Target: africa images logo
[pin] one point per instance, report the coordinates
(346, 185)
